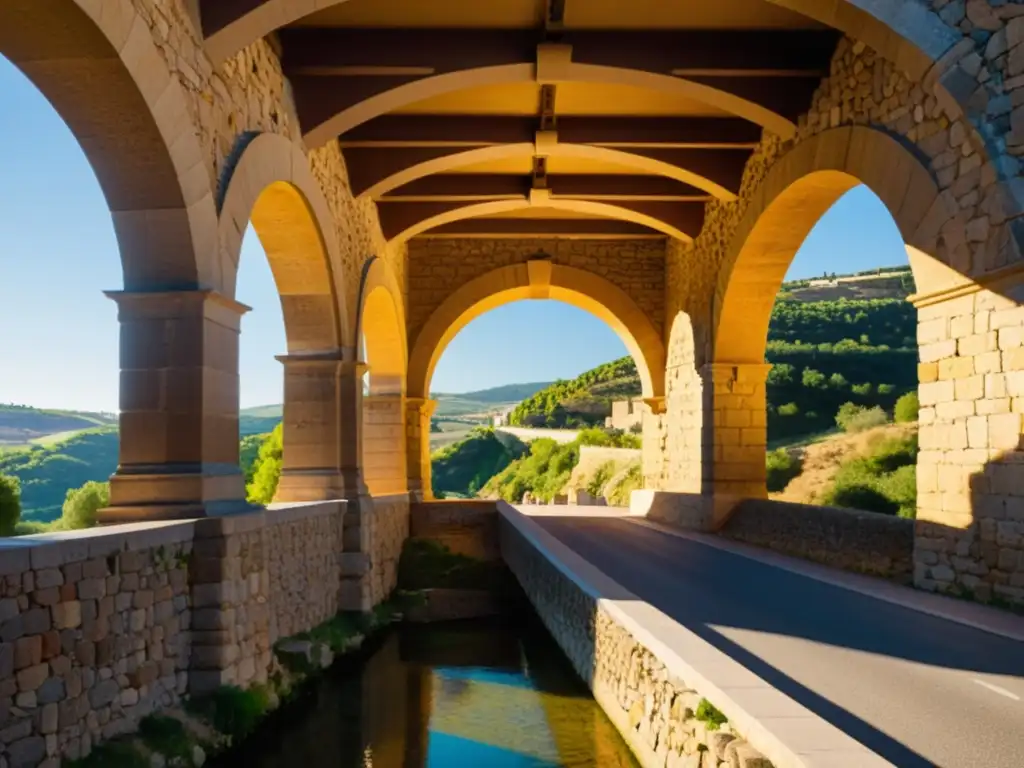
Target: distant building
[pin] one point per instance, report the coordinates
(626, 414)
(500, 418)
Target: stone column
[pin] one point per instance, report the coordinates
(322, 428)
(735, 430)
(969, 535)
(179, 407)
(653, 446)
(418, 411)
(384, 451)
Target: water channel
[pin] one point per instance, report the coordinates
(495, 694)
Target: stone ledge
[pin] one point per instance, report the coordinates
(784, 731)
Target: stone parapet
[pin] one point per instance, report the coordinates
(865, 542)
(650, 674)
(101, 627)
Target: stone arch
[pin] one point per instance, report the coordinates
(587, 207)
(96, 63)
(455, 160)
(798, 190)
(539, 279)
(271, 185)
(382, 324)
(526, 72)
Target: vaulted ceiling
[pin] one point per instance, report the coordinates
(539, 117)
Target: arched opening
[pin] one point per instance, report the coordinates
(382, 329)
(271, 195)
(100, 91)
(635, 382)
(841, 346)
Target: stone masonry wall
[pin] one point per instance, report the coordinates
(864, 542)
(438, 266)
(653, 709)
(94, 635)
(100, 628)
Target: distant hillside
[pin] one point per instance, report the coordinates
(881, 283)
(21, 425)
(47, 472)
(580, 402)
(259, 420)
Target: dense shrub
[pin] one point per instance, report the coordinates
(883, 480)
(632, 480)
(10, 504)
(266, 470)
(81, 506)
(782, 467)
(466, 466)
(856, 418)
(906, 408)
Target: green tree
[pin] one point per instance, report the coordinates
(10, 504)
(814, 379)
(789, 409)
(780, 374)
(907, 408)
(81, 505)
(267, 469)
(838, 381)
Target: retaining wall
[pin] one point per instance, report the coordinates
(99, 628)
(650, 704)
(466, 527)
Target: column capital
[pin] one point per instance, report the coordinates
(655, 404)
(424, 405)
(753, 373)
(330, 358)
(167, 304)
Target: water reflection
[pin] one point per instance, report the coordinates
(498, 695)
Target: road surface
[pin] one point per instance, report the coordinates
(916, 689)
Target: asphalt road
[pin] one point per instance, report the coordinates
(916, 689)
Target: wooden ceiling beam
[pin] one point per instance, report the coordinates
(397, 217)
(542, 228)
(370, 168)
(482, 130)
(312, 50)
(481, 186)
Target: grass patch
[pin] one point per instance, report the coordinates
(112, 754)
(231, 710)
(710, 715)
(427, 564)
(632, 480)
(166, 735)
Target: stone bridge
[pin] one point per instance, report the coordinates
(408, 167)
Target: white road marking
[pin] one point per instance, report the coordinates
(996, 689)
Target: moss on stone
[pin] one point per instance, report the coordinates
(710, 715)
(427, 564)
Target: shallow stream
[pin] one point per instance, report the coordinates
(495, 694)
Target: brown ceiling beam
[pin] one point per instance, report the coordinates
(369, 166)
(318, 99)
(217, 14)
(541, 228)
(482, 130)
(440, 130)
(398, 216)
(585, 186)
(326, 49)
(662, 51)
(679, 132)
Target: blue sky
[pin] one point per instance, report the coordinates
(58, 253)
